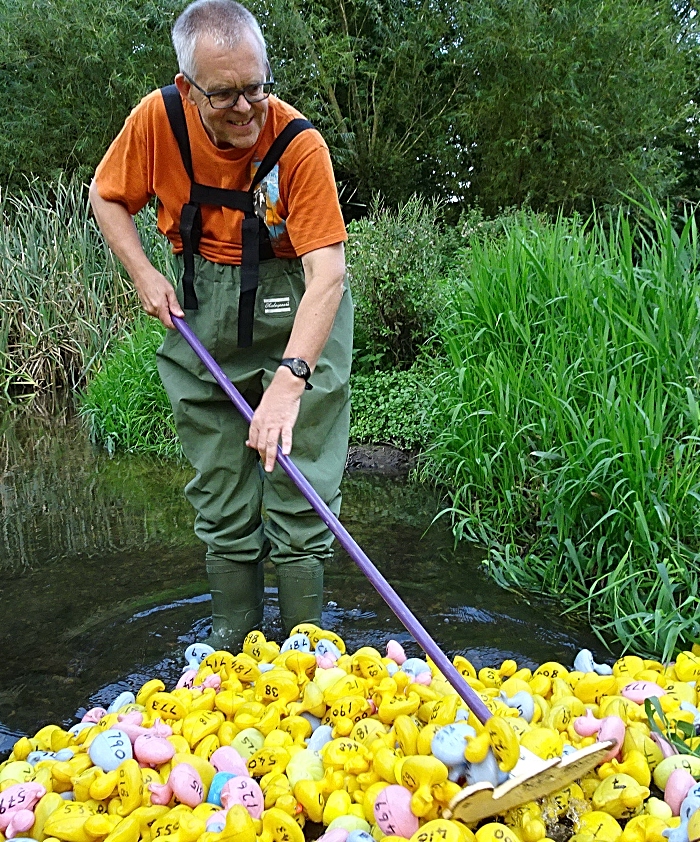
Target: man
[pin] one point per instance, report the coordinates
(273, 310)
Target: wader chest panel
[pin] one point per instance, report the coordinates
(256, 245)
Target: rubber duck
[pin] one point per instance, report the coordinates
(449, 744)
(395, 651)
(178, 825)
(184, 783)
(496, 832)
(521, 701)
(346, 754)
(694, 827)
(644, 828)
(268, 759)
(687, 666)
(442, 830)
(527, 821)
(17, 804)
(596, 826)
(634, 764)
(620, 796)
(584, 662)
(663, 770)
(638, 691)
(110, 748)
(678, 785)
(345, 713)
(278, 826)
(152, 750)
(689, 807)
(339, 803)
(246, 792)
(392, 811)
(420, 775)
(546, 743)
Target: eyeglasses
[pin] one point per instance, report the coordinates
(228, 98)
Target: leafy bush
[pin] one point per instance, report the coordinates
(395, 259)
(390, 407)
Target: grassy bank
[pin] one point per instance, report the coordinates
(64, 298)
(569, 417)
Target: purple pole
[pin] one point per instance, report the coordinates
(383, 588)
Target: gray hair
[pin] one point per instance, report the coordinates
(224, 21)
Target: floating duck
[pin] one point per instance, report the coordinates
(620, 796)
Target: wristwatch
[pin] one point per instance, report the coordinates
(299, 368)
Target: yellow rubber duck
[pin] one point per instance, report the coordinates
(496, 832)
(634, 764)
(597, 826)
(278, 826)
(620, 796)
(420, 775)
(644, 828)
(442, 830)
(527, 820)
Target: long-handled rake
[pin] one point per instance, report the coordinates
(532, 777)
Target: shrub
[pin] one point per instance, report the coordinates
(395, 259)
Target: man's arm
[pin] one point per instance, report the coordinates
(274, 419)
(155, 290)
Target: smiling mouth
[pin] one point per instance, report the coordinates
(240, 125)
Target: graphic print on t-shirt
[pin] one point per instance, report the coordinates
(266, 203)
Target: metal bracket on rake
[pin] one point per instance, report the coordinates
(532, 778)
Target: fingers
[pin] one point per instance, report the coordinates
(266, 445)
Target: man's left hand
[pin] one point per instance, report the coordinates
(275, 417)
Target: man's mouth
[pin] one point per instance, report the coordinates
(239, 124)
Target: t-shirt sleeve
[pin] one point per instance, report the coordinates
(124, 175)
(314, 219)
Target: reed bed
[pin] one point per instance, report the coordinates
(64, 298)
(568, 417)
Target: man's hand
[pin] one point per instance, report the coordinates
(158, 296)
(155, 290)
(275, 417)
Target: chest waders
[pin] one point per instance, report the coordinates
(255, 238)
(237, 587)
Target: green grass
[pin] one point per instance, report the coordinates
(568, 421)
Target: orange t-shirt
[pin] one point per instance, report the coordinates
(302, 209)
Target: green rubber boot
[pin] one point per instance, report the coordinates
(300, 588)
(237, 592)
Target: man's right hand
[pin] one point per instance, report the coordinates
(157, 296)
(155, 290)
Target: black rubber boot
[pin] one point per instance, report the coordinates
(300, 588)
(237, 592)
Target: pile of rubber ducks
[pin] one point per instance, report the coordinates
(249, 747)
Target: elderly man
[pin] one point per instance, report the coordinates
(248, 201)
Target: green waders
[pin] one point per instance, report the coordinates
(229, 489)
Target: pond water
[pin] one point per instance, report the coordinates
(103, 582)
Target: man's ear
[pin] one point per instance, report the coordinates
(184, 87)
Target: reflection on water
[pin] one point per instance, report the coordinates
(103, 580)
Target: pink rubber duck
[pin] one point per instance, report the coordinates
(227, 759)
(17, 804)
(184, 783)
(392, 811)
(246, 792)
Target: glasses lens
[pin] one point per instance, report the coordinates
(252, 94)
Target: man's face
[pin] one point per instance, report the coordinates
(219, 69)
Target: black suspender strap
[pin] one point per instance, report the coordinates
(255, 235)
(190, 215)
(255, 240)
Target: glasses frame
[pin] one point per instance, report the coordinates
(237, 91)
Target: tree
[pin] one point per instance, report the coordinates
(69, 74)
(573, 101)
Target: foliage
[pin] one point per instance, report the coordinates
(65, 298)
(676, 732)
(567, 417)
(489, 102)
(125, 405)
(69, 74)
(492, 102)
(395, 260)
(390, 407)
(572, 103)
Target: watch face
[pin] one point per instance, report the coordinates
(300, 368)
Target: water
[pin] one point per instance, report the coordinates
(103, 581)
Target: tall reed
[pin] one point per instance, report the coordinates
(64, 298)
(569, 417)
